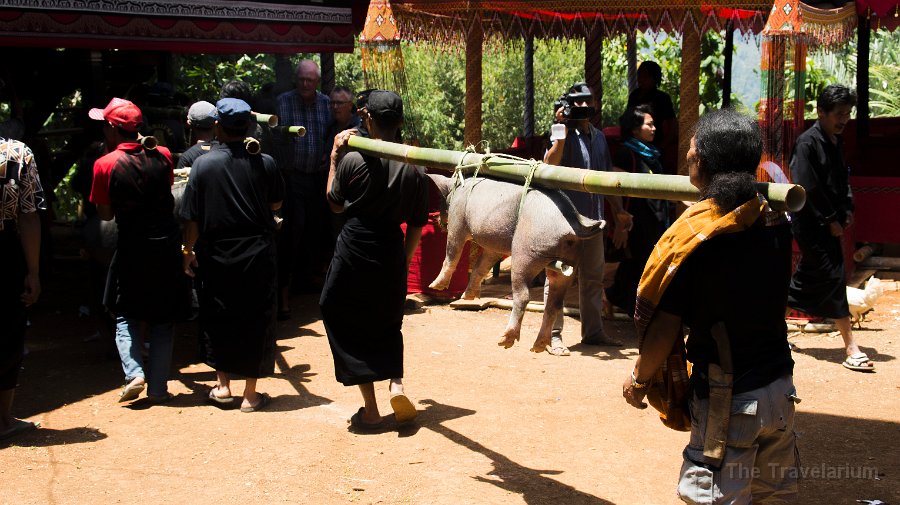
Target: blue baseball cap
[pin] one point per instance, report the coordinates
(232, 113)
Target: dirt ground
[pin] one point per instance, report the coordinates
(495, 426)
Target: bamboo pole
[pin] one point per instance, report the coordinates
(665, 187)
(267, 119)
(291, 130)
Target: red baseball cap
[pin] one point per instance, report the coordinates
(120, 113)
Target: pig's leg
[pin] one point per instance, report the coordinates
(479, 270)
(457, 235)
(556, 294)
(521, 273)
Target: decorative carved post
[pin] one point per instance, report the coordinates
(593, 68)
(771, 104)
(327, 60)
(631, 56)
(689, 88)
(474, 51)
(528, 115)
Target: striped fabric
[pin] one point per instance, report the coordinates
(20, 186)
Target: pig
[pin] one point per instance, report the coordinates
(546, 230)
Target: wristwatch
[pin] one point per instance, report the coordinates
(638, 385)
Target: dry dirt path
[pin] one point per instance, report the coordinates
(495, 427)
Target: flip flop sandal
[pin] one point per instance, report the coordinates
(558, 350)
(130, 392)
(159, 400)
(221, 400)
(404, 410)
(857, 362)
(358, 425)
(264, 400)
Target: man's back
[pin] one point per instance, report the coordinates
(137, 183)
(740, 279)
(230, 192)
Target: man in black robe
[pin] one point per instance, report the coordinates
(228, 207)
(365, 288)
(819, 286)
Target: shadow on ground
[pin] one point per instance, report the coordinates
(47, 437)
(843, 457)
(533, 485)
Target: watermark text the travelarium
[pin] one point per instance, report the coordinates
(823, 471)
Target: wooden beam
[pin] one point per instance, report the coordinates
(327, 69)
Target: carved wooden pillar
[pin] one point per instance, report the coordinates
(474, 51)
(689, 89)
(593, 68)
(528, 114)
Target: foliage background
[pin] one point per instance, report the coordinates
(436, 81)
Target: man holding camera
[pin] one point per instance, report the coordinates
(577, 143)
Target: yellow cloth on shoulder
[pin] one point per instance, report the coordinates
(699, 222)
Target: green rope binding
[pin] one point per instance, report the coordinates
(534, 164)
(458, 176)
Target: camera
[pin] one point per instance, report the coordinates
(579, 92)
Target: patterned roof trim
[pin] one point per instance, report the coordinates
(190, 35)
(207, 9)
(449, 28)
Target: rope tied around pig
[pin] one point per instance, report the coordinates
(459, 176)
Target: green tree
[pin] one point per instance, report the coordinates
(201, 76)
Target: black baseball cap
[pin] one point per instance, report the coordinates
(362, 98)
(385, 105)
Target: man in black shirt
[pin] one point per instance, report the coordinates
(722, 270)
(146, 290)
(819, 286)
(201, 123)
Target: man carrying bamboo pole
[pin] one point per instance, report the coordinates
(365, 288)
(583, 146)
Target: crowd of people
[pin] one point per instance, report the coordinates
(308, 214)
